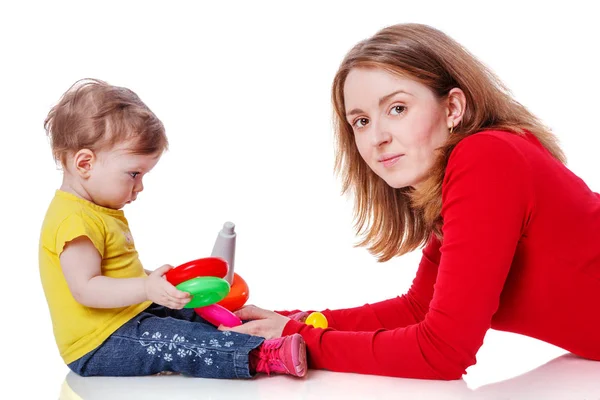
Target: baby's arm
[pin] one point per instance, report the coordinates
(81, 265)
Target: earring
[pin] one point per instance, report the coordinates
(452, 128)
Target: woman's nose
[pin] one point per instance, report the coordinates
(380, 135)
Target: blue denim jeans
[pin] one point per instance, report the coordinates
(160, 339)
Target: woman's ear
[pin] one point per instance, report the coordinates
(83, 161)
(456, 102)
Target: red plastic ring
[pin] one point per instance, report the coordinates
(208, 266)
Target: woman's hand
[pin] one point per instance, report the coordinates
(160, 291)
(265, 323)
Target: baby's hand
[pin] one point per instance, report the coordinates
(160, 291)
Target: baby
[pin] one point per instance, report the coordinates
(110, 316)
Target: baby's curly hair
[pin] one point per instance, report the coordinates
(94, 115)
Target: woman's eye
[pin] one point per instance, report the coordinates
(361, 122)
(397, 110)
(134, 174)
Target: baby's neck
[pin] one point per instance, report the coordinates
(71, 184)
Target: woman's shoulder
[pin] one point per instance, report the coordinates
(493, 146)
(500, 146)
(501, 157)
(489, 169)
(499, 140)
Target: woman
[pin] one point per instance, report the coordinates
(437, 153)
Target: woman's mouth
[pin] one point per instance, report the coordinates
(390, 160)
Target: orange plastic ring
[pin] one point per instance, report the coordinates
(238, 294)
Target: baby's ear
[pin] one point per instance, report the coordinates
(83, 161)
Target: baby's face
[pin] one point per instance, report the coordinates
(116, 176)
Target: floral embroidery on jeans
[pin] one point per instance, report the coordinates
(157, 343)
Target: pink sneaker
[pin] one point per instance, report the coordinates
(285, 355)
(300, 316)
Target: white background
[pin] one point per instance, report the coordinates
(244, 92)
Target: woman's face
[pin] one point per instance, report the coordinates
(397, 122)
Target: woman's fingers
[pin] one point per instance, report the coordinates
(265, 323)
(254, 328)
(252, 312)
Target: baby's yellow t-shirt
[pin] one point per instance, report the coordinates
(79, 329)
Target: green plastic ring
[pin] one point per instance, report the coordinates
(205, 290)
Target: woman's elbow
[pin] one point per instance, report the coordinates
(451, 370)
(451, 375)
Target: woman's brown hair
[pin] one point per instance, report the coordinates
(392, 221)
(94, 115)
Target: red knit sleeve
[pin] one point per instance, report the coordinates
(486, 201)
(398, 312)
(393, 313)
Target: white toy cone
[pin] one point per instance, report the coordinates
(225, 248)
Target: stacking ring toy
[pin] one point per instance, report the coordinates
(238, 294)
(205, 290)
(209, 266)
(218, 315)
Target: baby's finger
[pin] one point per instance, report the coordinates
(180, 301)
(183, 300)
(163, 270)
(176, 304)
(175, 293)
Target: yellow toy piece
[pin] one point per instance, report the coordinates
(317, 319)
